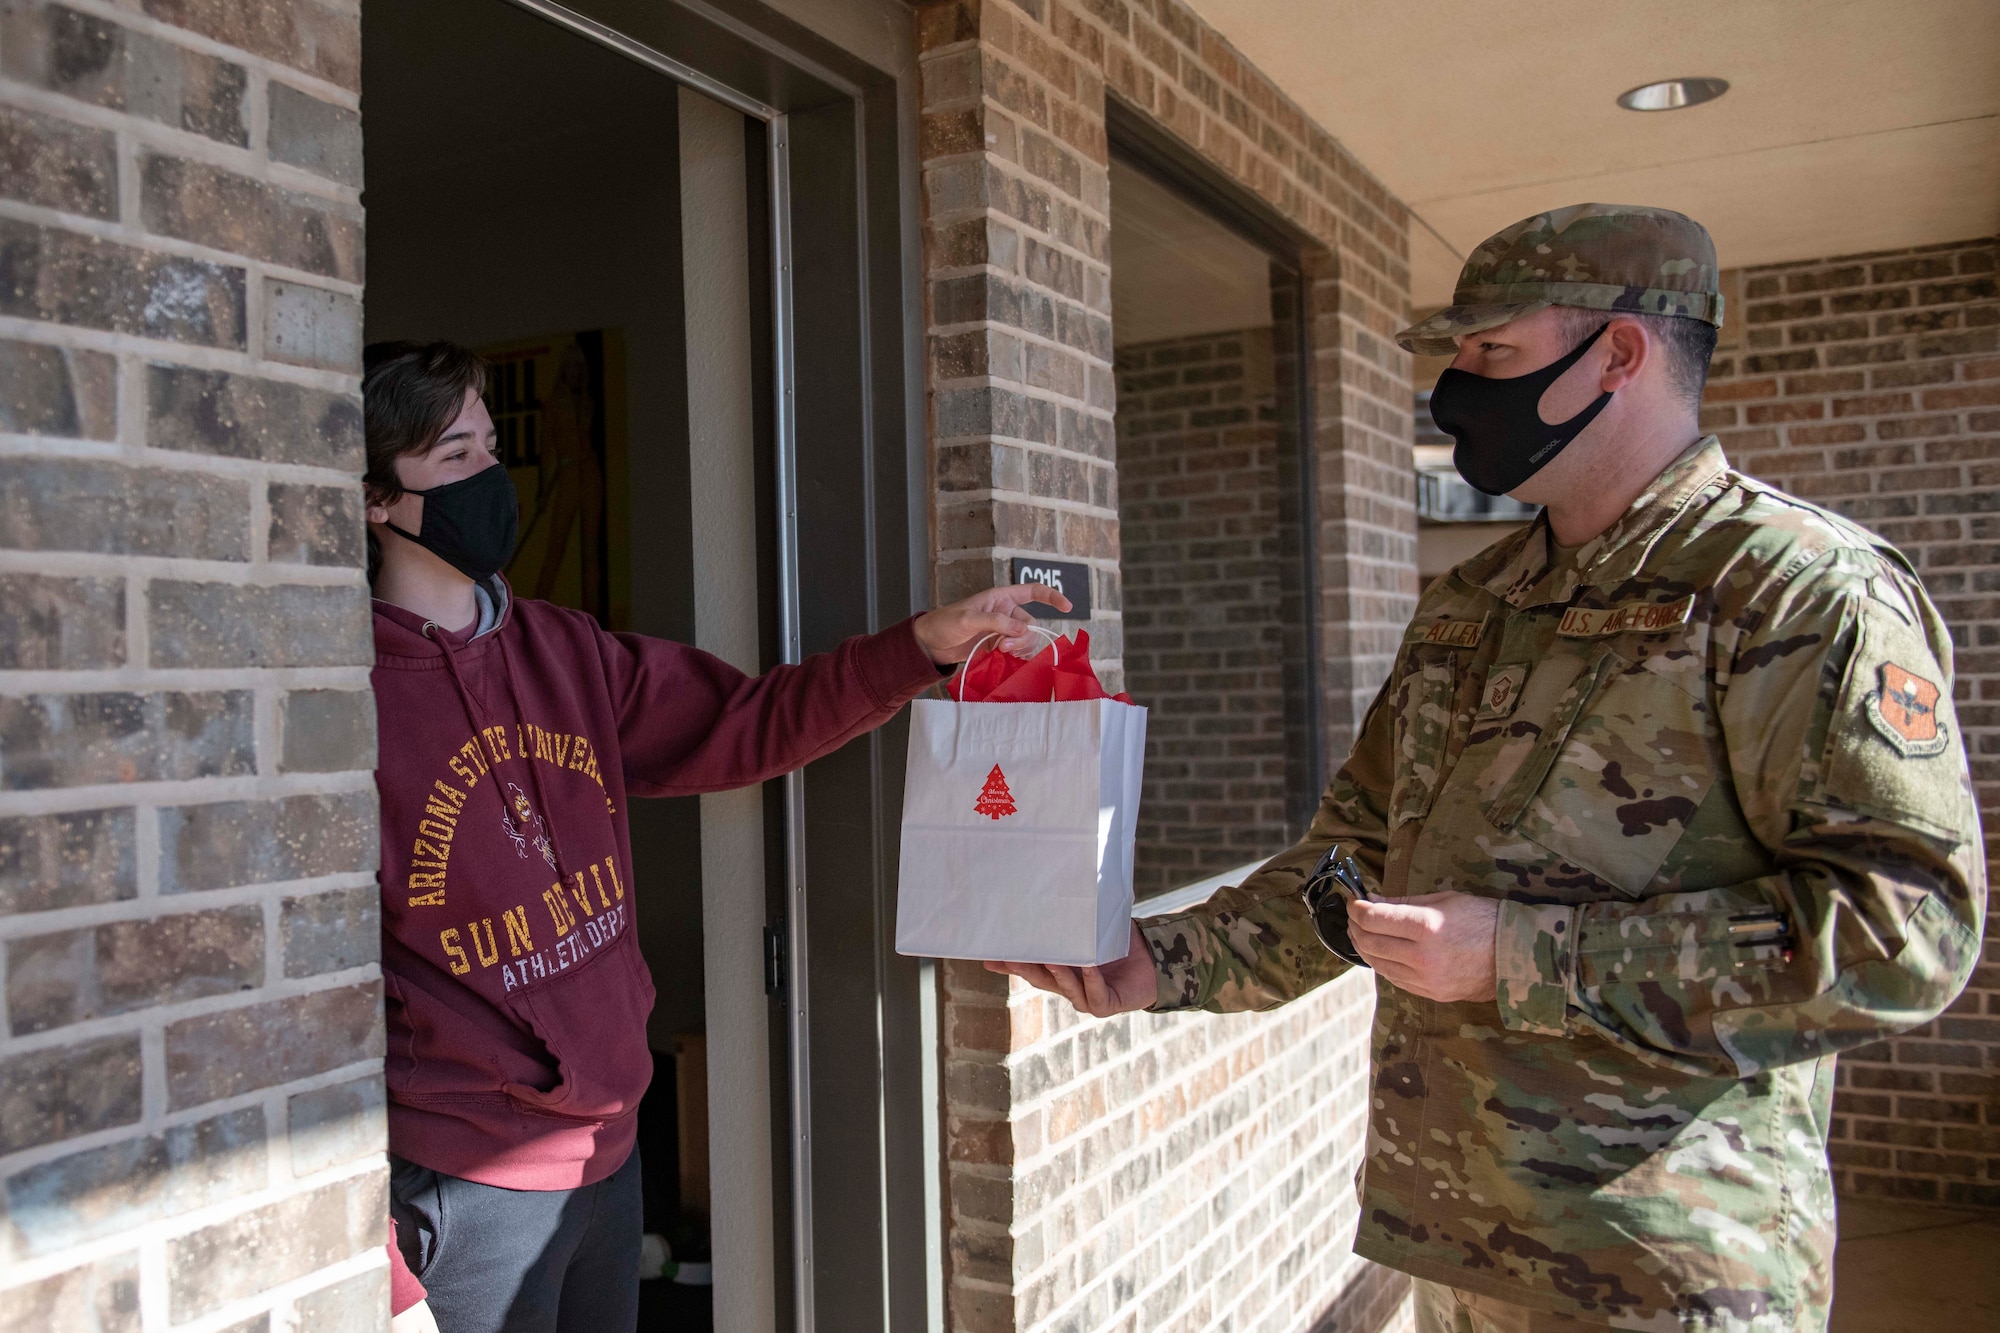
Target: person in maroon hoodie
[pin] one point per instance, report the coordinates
(514, 736)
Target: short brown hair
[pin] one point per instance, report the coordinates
(410, 393)
(1689, 343)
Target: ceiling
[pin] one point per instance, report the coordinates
(1849, 125)
(1175, 272)
(515, 87)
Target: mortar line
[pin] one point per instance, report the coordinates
(154, 906)
(190, 791)
(140, 679)
(246, 160)
(197, 356)
(181, 461)
(165, 1119)
(165, 246)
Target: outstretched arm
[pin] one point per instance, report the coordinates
(689, 722)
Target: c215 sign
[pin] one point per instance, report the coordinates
(1068, 578)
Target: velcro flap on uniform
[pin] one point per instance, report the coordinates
(1594, 622)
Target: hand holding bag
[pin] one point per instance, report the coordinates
(1019, 817)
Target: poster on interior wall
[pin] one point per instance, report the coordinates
(558, 404)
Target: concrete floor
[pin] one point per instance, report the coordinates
(1915, 1268)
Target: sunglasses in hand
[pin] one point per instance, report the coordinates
(1334, 882)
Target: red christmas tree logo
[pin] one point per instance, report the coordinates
(995, 800)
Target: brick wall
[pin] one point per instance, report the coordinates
(1206, 603)
(1015, 194)
(1871, 384)
(190, 1036)
(1164, 1173)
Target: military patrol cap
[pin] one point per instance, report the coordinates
(1615, 257)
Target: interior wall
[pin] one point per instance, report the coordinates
(498, 210)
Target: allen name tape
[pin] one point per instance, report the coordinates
(1453, 633)
(1591, 622)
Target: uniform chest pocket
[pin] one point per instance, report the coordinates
(1616, 775)
(1424, 701)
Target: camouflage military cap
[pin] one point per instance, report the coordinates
(1618, 257)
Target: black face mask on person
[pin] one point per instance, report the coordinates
(1502, 439)
(470, 524)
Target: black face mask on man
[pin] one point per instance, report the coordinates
(1502, 439)
(470, 524)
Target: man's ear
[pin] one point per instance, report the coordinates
(1631, 347)
(376, 503)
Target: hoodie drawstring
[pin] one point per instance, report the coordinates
(534, 769)
(481, 722)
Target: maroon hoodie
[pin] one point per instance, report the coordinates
(516, 996)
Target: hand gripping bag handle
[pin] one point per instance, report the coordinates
(1055, 656)
(1055, 652)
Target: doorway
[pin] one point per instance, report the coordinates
(573, 216)
(1216, 516)
(676, 240)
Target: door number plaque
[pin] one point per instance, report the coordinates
(1070, 579)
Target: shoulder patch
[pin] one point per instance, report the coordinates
(1904, 710)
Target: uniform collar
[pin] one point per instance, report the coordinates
(1524, 570)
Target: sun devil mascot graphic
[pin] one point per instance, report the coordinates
(519, 818)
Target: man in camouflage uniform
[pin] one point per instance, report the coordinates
(1666, 804)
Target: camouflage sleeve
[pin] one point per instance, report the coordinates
(1253, 946)
(1850, 770)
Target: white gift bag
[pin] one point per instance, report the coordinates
(1018, 827)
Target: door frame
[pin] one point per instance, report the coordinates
(845, 415)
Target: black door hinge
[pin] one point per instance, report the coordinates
(774, 960)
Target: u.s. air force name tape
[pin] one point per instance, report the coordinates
(1586, 622)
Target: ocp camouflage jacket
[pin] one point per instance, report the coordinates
(1727, 717)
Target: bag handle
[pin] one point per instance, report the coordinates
(1055, 649)
(958, 710)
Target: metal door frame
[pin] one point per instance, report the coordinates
(729, 40)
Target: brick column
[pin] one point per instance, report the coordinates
(1357, 295)
(190, 1052)
(1182, 1171)
(1017, 201)
(1871, 384)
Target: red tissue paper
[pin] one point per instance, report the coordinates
(1059, 672)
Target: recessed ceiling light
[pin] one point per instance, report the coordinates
(1673, 94)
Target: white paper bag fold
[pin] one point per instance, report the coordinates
(1018, 829)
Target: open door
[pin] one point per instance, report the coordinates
(678, 240)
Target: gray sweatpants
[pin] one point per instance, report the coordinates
(522, 1261)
